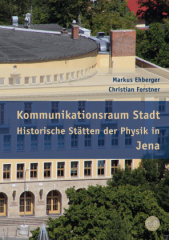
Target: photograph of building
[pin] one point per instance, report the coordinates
(54, 66)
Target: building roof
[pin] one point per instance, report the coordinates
(26, 46)
(134, 6)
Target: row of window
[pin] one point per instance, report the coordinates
(74, 169)
(48, 78)
(27, 202)
(74, 141)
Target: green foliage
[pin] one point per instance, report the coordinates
(153, 44)
(35, 234)
(106, 213)
(9, 8)
(103, 16)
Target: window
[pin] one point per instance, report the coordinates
(128, 163)
(6, 171)
(47, 142)
(55, 78)
(27, 202)
(18, 80)
(87, 168)
(7, 143)
(61, 77)
(81, 109)
(20, 142)
(101, 167)
(88, 140)
(28, 110)
(34, 142)
(2, 81)
(162, 138)
(33, 80)
(42, 78)
(11, 81)
(72, 75)
(114, 166)
(74, 169)
(61, 169)
(108, 108)
(67, 76)
(78, 74)
(34, 170)
(61, 141)
(128, 140)
(115, 139)
(162, 106)
(48, 79)
(53, 202)
(82, 73)
(2, 117)
(74, 141)
(81, 106)
(47, 170)
(54, 109)
(20, 171)
(26, 80)
(101, 139)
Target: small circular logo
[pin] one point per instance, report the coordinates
(152, 223)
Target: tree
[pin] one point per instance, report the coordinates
(9, 8)
(108, 213)
(152, 45)
(153, 10)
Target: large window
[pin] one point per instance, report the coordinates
(101, 167)
(2, 118)
(54, 109)
(47, 141)
(108, 107)
(7, 171)
(115, 139)
(74, 141)
(81, 109)
(87, 168)
(162, 106)
(53, 202)
(34, 142)
(34, 170)
(87, 140)
(3, 203)
(61, 141)
(20, 171)
(28, 110)
(20, 142)
(47, 170)
(27, 202)
(162, 138)
(60, 169)
(114, 166)
(7, 143)
(128, 140)
(101, 139)
(128, 163)
(74, 169)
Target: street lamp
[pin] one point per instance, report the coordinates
(25, 192)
